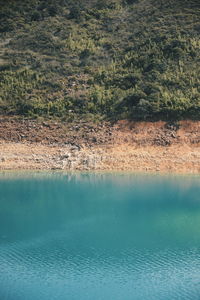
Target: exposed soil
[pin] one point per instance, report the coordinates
(141, 146)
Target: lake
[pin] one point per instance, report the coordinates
(99, 236)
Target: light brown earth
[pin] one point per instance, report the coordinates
(131, 146)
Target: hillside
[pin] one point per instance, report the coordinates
(93, 60)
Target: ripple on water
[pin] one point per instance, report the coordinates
(101, 240)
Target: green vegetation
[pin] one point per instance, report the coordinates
(114, 59)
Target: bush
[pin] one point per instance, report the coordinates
(106, 58)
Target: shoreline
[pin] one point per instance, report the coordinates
(144, 147)
(174, 159)
(29, 174)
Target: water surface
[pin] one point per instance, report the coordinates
(99, 236)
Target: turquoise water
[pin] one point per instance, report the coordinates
(103, 236)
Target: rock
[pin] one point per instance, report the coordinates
(173, 135)
(45, 124)
(65, 164)
(65, 156)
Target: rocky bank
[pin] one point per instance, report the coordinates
(131, 146)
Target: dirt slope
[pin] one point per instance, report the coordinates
(131, 146)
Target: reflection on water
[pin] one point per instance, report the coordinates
(99, 236)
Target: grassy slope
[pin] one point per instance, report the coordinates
(110, 59)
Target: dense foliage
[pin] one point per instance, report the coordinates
(100, 59)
